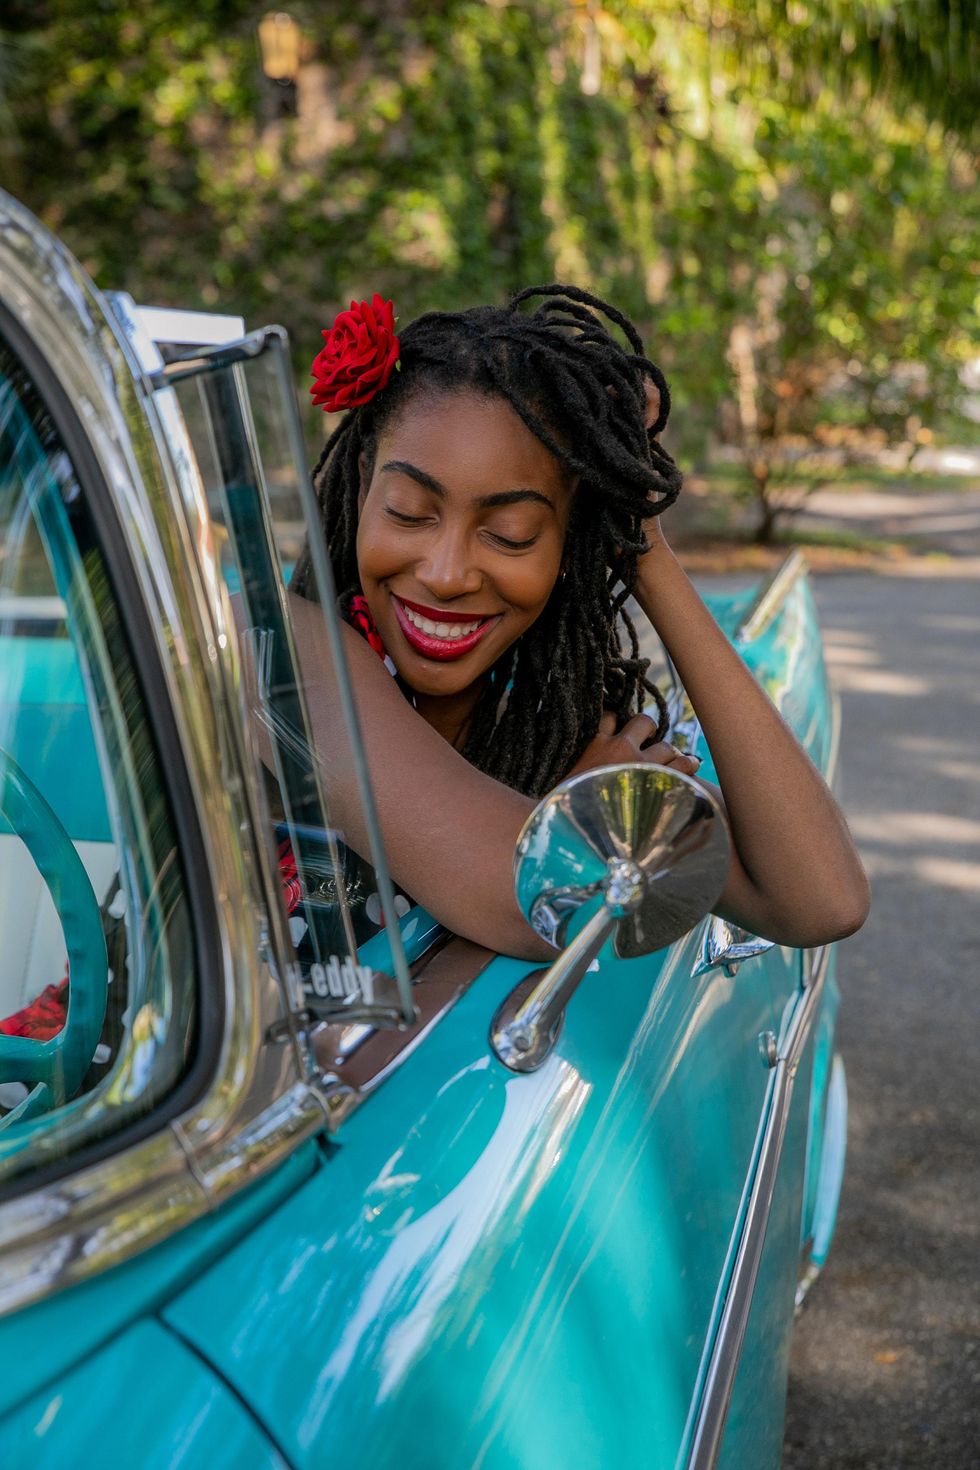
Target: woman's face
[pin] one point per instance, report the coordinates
(460, 537)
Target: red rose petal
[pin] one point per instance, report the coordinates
(358, 357)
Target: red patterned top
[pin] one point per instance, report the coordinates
(359, 617)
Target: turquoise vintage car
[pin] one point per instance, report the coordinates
(280, 1188)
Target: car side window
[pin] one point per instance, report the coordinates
(351, 934)
(98, 1001)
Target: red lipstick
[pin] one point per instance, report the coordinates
(440, 614)
(443, 650)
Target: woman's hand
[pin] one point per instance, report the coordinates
(634, 742)
(795, 876)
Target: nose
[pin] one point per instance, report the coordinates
(448, 569)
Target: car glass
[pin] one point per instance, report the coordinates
(98, 1006)
(240, 426)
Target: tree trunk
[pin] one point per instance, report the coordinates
(765, 530)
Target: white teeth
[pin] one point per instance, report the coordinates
(450, 631)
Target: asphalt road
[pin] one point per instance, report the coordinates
(885, 1371)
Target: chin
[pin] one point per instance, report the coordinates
(426, 676)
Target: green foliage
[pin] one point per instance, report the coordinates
(797, 240)
(926, 51)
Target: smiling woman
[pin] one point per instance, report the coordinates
(505, 470)
(488, 509)
(454, 568)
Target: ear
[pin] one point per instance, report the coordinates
(652, 394)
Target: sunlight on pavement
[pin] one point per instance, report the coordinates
(915, 828)
(950, 872)
(881, 681)
(857, 654)
(960, 771)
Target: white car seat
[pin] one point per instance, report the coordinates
(34, 953)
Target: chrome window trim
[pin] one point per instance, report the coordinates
(770, 598)
(175, 326)
(709, 1425)
(261, 1099)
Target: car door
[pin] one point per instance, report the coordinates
(740, 1418)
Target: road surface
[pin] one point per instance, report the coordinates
(885, 1371)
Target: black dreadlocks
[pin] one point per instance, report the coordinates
(581, 393)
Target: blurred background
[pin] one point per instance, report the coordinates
(783, 196)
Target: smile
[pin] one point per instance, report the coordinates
(440, 635)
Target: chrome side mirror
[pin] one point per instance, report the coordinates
(650, 844)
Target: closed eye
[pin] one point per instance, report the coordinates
(406, 520)
(511, 545)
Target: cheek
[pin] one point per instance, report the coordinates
(527, 583)
(377, 549)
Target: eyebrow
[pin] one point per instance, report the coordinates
(485, 502)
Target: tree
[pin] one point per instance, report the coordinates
(789, 246)
(832, 231)
(926, 52)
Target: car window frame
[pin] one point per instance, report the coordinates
(116, 552)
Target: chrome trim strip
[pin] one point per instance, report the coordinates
(831, 773)
(440, 981)
(178, 328)
(726, 946)
(709, 1426)
(770, 598)
(262, 1099)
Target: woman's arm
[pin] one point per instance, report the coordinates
(795, 875)
(449, 830)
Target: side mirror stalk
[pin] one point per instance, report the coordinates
(526, 1025)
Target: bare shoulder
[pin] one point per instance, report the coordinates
(308, 623)
(310, 627)
(381, 705)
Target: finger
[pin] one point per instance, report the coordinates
(639, 730)
(662, 753)
(607, 723)
(689, 764)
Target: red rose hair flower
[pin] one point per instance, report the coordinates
(358, 357)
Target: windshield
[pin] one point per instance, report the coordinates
(98, 989)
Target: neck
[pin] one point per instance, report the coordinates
(450, 714)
